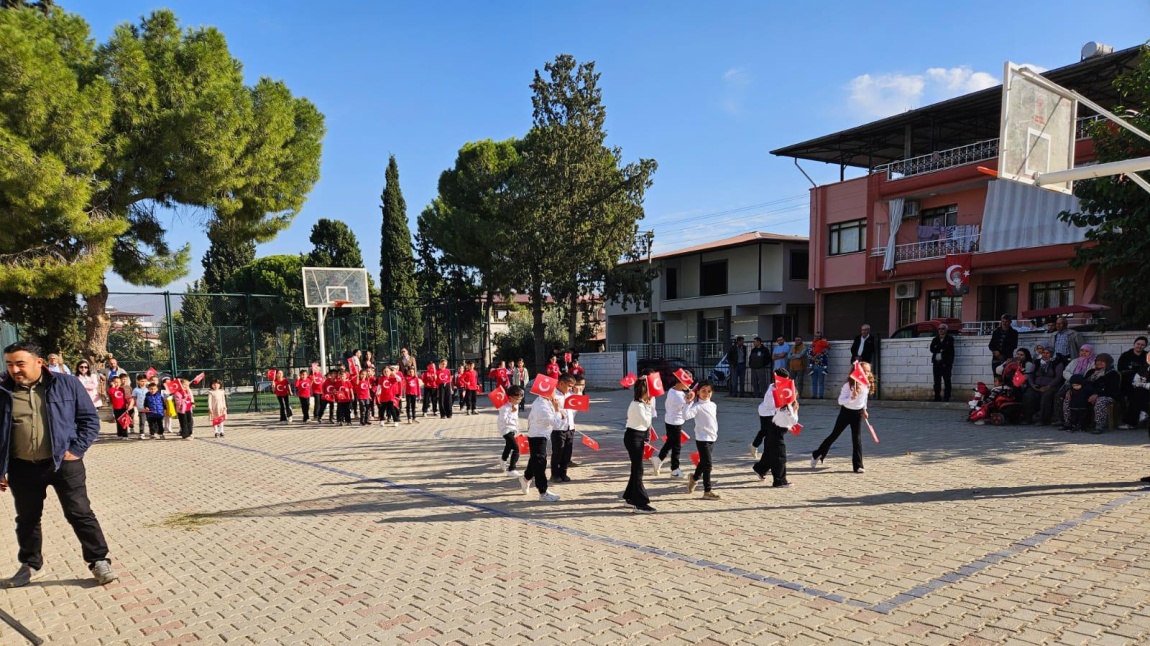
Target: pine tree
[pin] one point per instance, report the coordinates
(397, 264)
(224, 257)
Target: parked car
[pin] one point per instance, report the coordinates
(926, 329)
(720, 374)
(665, 365)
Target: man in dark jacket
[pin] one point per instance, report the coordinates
(942, 359)
(1003, 343)
(862, 348)
(737, 363)
(759, 361)
(47, 423)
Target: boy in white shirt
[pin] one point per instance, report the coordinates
(508, 424)
(563, 439)
(706, 416)
(546, 415)
(677, 399)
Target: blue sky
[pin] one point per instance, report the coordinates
(706, 89)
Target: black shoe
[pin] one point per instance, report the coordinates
(644, 509)
(564, 479)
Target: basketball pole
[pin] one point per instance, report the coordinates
(321, 314)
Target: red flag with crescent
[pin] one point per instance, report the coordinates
(498, 397)
(652, 436)
(216, 421)
(543, 385)
(859, 375)
(581, 403)
(150, 373)
(695, 458)
(590, 443)
(124, 420)
(957, 274)
(198, 378)
(655, 385)
(684, 375)
(629, 380)
(784, 391)
(523, 444)
(648, 451)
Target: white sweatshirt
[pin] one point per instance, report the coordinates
(508, 420)
(767, 408)
(676, 404)
(858, 403)
(544, 418)
(706, 416)
(639, 415)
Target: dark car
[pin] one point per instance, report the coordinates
(926, 329)
(665, 365)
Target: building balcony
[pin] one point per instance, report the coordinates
(931, 249)
(961, 156)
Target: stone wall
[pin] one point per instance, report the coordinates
(905, 371)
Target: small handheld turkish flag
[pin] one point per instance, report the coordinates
(315, 367)
(590, 443)
(577, 402)
(872, 433)
(796, 429)
(1018, 379)
(124, 420)
(859, 375)
(150, 373)
(498, 397)
(683, 437)
(695, 458)
(351, 367)
(684, 375)
(216, 421)
(523, 444)
(648, 451)
(173, 386)
(655, 385)
(271, 374)
(543, 385)
(651, 433)
(198, 378)
(566, 357)
(784, 391)
(629, 380)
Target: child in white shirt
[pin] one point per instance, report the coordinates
(508, 424)
(706, 416)
(852, 412)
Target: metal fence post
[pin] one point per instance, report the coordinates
(252, 347)
(173, 365)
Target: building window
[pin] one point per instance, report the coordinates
(907, 311)
(847, 237)
(941, 305)
(658, 328)
(800, 265)
(711, 330)
(943, 216)
(996, 300)
(671, 277)
(713, 278)
(1056, 293)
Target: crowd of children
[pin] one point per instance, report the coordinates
(149, 408)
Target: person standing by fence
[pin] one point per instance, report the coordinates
(737, 363)
(758, 360)
(942, 362)
(799, 358)
(820, 355)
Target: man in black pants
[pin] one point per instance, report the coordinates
(942, 359)
(47, 423)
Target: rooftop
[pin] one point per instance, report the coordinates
(750, 237)
(955, 122)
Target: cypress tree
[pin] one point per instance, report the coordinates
(397, 263)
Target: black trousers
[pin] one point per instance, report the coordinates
(319, 406)
(847, 417)
(120, 430)
(537, 463)
(343, 412)
(304, 405)
(430, 400)
(364, 411)
(411, 407)
(765, 424)
(29, 482)
(703, 470)
(1137, 400)
(470, 396)
(155, 425)
(774, 457)
(185, 420)
(635, 493)
(562, 442)
(673, 445)
(942, 381)
(285, 407)
(445, 400)
(510, 451)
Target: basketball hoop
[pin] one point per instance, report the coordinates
(340, 303)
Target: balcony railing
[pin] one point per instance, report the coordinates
(954, 157)
(931, 249)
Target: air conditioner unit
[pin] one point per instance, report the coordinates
(908, 289)
(910, 209)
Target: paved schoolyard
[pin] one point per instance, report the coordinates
(318, 535)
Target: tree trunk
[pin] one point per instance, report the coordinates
(537, 326)
(97, 325)
(573, 324)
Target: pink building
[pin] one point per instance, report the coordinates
(923, 182)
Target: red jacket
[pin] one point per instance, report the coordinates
(444, 376)
(363, 388)
(329, 388)
(383, 391)
(413, 386)
(471, 380)
(553, 370)
(430, 379)
(282, 387)
(502, 377)
(344, 392)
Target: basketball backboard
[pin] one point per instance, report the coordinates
(1038, 130)
(335, 287)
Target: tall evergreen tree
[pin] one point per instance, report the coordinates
(224, 257)
(397, 264)
(333, 245)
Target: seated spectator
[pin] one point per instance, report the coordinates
(1137, 395)
(1044, 385)
(1104, 383)
(1131, 363)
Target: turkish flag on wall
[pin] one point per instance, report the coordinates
(543, 385)
(957, 273)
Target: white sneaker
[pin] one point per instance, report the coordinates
(1125, 427)
(513, 474)
(754, 453)
(503, 464)
(143, 437)
(383, 423)
(814, 462)
(525, 485)
(549, 497)
(656, 464)
(676, 474)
